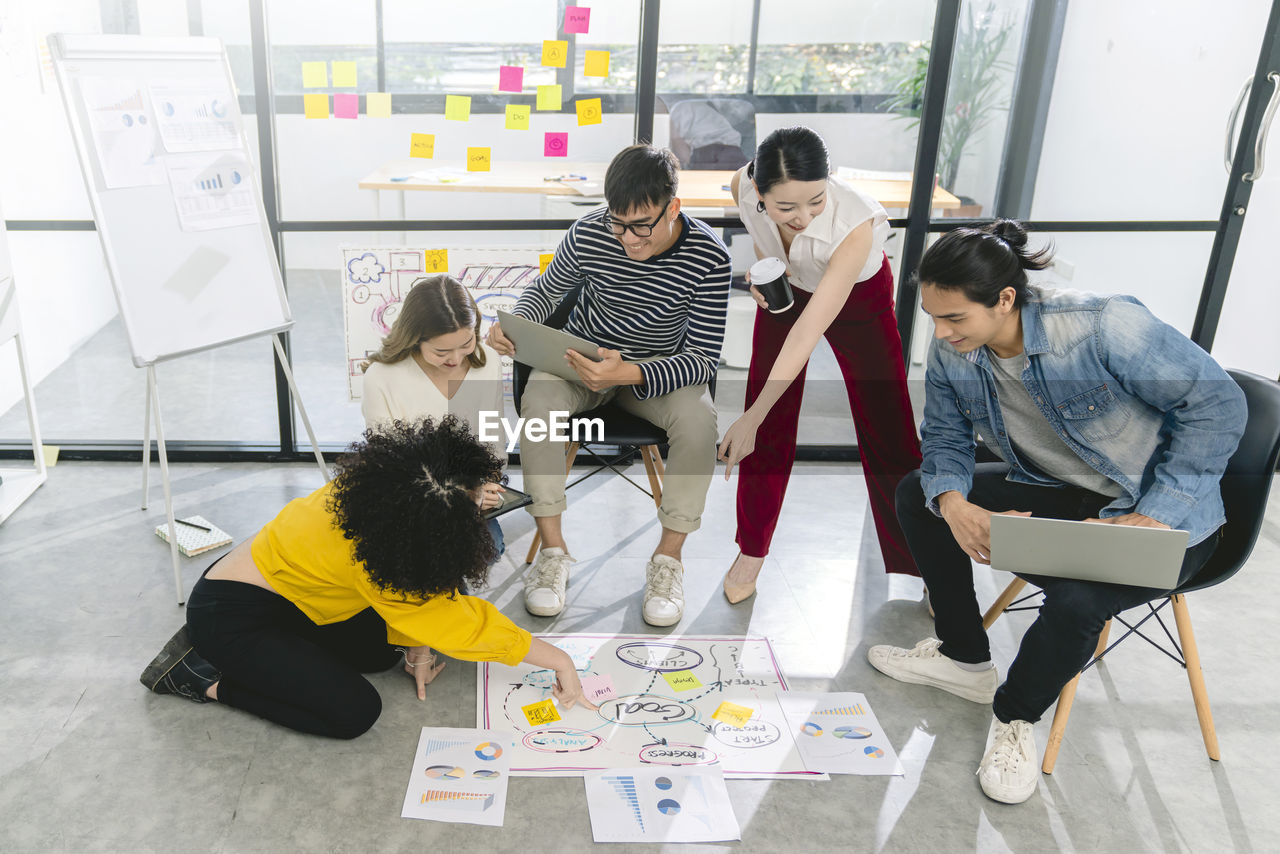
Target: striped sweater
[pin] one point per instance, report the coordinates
(669, 310)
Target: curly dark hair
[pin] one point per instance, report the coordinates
(405, 496)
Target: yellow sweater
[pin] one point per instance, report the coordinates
(306, 559)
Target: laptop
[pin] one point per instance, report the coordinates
(542, 347)
(1116, 554)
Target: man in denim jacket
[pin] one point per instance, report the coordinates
(1099, 411)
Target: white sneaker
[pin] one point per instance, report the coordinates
(925, 665)
(545, 581)
(663, 591)
(1008, 772)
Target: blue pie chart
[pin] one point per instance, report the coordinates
(663, 783)
(666, 806)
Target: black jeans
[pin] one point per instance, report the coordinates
(277, 664)
(1065, 634)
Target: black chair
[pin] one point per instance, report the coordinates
(699, 127)
(1245, 486)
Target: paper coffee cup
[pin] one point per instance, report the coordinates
(769, 276)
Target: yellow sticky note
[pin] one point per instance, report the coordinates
(457, 108)
(422, 145)
(541, 713)
(50, 453)
(733, 714)
(377, 105)
(597, 64)
(435, 261)
(554, 53)
(344, 74)
(315, 75)
(315, 106)
(589, 111)
(550, 97)
(544, 261)
(518, 116)
(477, 159)
(682, 680)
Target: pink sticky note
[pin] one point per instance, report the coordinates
(510, 78)
(597, 688)
(576, 19)
(345, 105)
(555, 145)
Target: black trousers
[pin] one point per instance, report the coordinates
(277, 664)
(1065, 634)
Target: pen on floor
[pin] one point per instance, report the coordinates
(192, 524)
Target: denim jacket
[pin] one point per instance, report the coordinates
(1130, 395)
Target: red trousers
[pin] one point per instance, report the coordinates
(864, 337)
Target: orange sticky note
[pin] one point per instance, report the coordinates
(554, 53)
(315, 105)
(597, 63)
(344, 74)
(589, 111)
(477, 159)
(422, 145)
(733, 714)
(457, 108)
(435, 261)
(550, 97)
(544, 261)
(540, 713)
(315, 75)
(377, 105)
(518, 116)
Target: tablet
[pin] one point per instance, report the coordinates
(543, 348)
(511, 499)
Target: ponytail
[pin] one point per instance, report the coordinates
(984, 261)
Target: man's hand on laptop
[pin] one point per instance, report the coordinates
(971, 524)
(610, 371)
(1136, 520)
(499, 342)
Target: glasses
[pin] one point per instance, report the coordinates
(639, 229)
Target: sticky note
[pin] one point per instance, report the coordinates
(477, 159)
(555, 145)
(541, 713)
(346, 105)
(681, 680)
(577, 19)
(597, 63)
(315, 105)
(554, 53)
(518, 116)
(510, 78)
(315, 75)
(589, 111)
(733, 714)
(550, 97)
(377, 105)
(595, 688)
(50, 454)
(344, 74)
(422, 145)
(544, 261)
(457, 108)
(435, 261)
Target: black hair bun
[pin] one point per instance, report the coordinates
(1011, 232)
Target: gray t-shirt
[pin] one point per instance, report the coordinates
(1033, 438)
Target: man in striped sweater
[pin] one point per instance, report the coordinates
(655, 288)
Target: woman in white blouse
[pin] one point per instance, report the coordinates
(831, 238)
(432, 364)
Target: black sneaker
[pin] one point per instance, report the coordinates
(178, 669)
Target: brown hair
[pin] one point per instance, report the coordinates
(434, 306)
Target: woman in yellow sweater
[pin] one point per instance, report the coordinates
(343, 579)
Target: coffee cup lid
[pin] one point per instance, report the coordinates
(767, 269)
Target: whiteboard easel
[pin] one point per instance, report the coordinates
(18, 483)
(175, 196)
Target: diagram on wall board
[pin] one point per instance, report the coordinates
(669, 701)
(375, 281)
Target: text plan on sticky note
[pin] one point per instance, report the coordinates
(550, 97)
(315, 75)
(344, 75)
(377, 105)
(682, 680)
(346, 105)
(589, 111)
(315, 105)
(477, 159)
(555, 145)
(422, 145)
(541, 713)
(510, 78)
(597, 63)
(554, 53)
(544, 261)
(733, 714)
(518, 116)
(594, 688)
(435, 260)
(577, 19)
(457, 108)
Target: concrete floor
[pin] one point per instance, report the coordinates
(90, 761)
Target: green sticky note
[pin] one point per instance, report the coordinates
(550, 97)
(315, 75)
(344, 74)
(457, 108)
(682, 680)
(518, 116)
